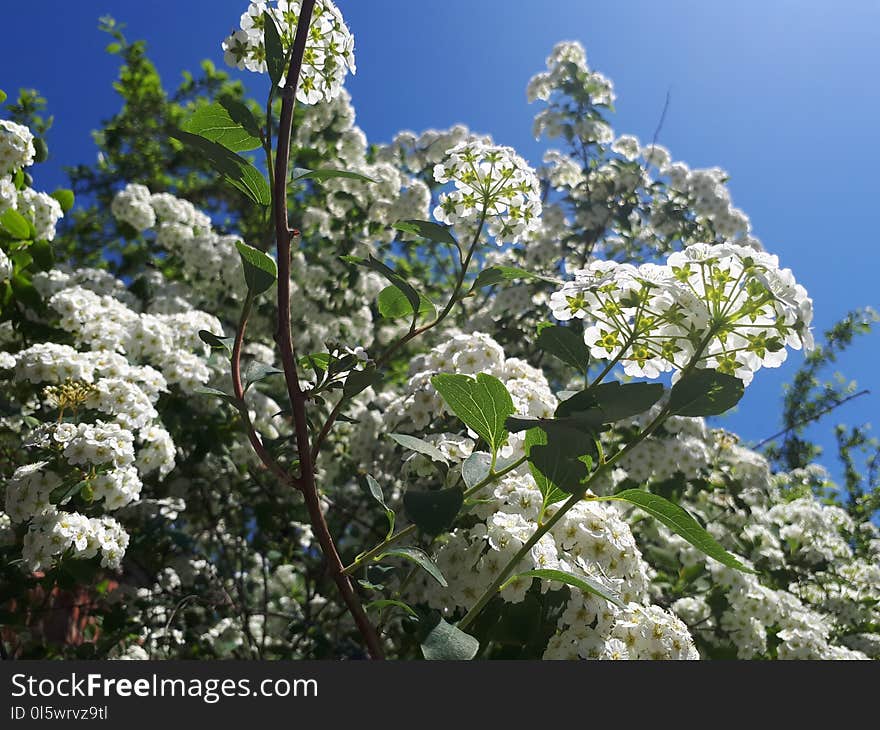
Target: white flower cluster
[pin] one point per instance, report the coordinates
(329, 51)
(208, 259)
(730, 307)
(53, 532)
(16, 147)
(42, 210)
(492, 184)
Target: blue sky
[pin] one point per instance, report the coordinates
(781, 93)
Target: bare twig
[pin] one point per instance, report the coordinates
(814, 417)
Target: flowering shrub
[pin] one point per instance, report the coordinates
(478, 435)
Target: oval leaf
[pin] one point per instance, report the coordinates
(394, 304)
(448, 643)
(215, 122)
(483, 404)
(705, 393)
(566, 344)
(260, 269)
(433, 511)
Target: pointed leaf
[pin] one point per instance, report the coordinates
(420, 558)
(393, 304)
(566, 344)
(427, 229)
(258, 371)
(376, 493)
(612, 402)
(497, 274)
(216, 341)
(418, 445)
(260, 269)
(433, 511)
(301, 173)
(224, 123)
(483, 404)
(240, 173)
(587, 585)
(705, 393)
(681, 523)
(276, 59)
(383, 603)
(555, 461)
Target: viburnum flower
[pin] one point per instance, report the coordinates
(493, 184)
(329, 52)
(729, 306)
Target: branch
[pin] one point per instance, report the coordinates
(814, 417)
(283, 337)
(237, 388)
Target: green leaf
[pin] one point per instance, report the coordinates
(258, 371)
(383, 603)
(560, 459)
(216, 341)
(65, 198)
(566, 344)
(433, 511)
(224, 123)
(2, 96)
(26, 292)
(587, 585)
(276, 58)
(15, 224)
(393, 304)
(376, 493)
(240, 173)
(482, 404)
(497, 274)
(475, 468)
(41, 150)
(412, 296)
(448, 643)
(420, 558)
(231, 399)
(611, 402)
(260, 269)
(301, 173)
(359, 380)
(681, 523)
(705, 393)
(427, 229)
(418, 445)
(70, 487)
(43, 254)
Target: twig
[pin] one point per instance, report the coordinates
(814, 417)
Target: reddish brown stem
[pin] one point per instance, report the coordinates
(284, 339)
(238, 390)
